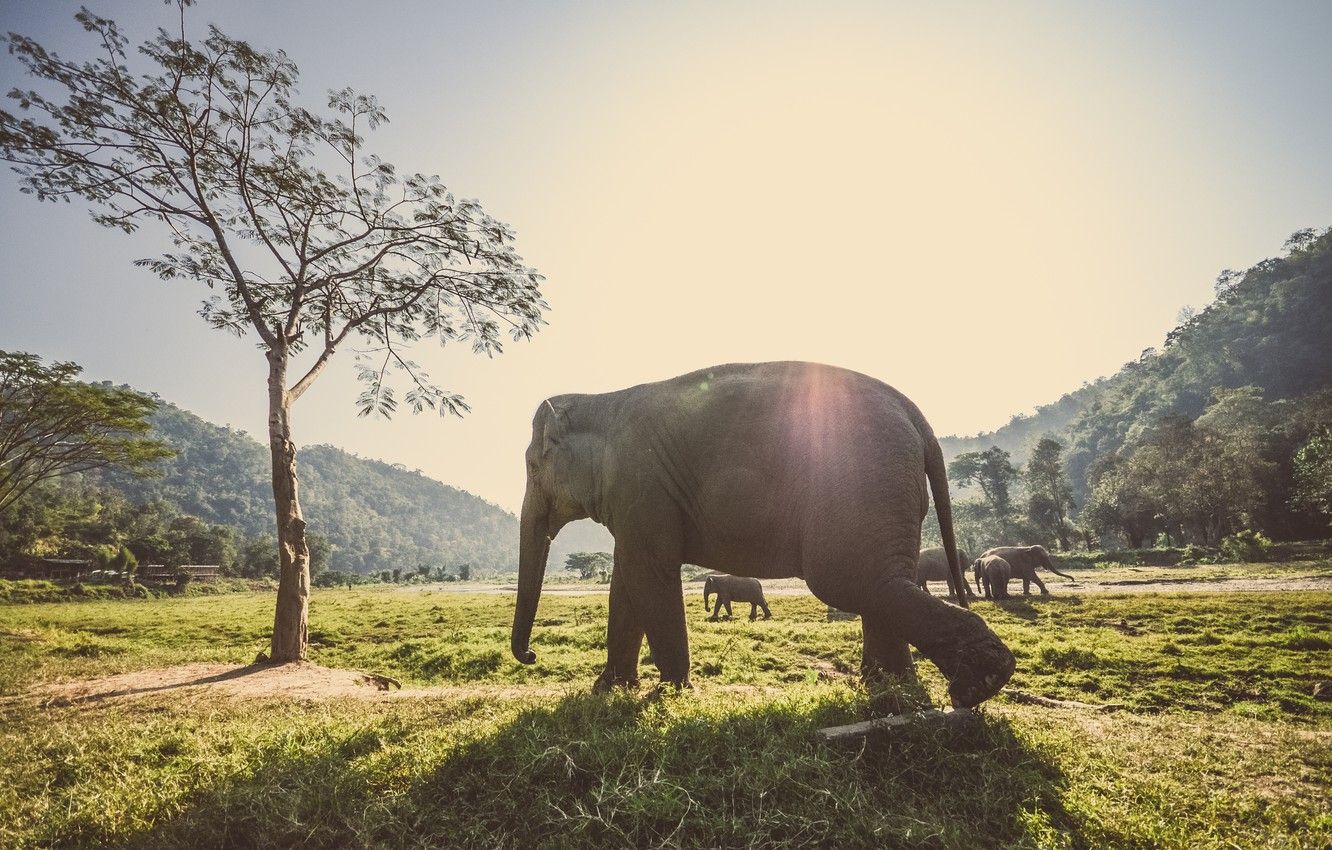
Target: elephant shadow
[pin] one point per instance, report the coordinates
(636, 770)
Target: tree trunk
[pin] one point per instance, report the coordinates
(293, 602)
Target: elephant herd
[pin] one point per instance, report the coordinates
(992, 570)
(759, 470)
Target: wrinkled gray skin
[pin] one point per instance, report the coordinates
(766, 470)
(734, 589)
(1024, 560)
(932, 565)
(993, 573)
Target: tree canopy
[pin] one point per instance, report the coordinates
(52, 425)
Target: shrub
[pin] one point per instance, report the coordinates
(1246, 546)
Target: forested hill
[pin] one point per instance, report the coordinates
(376, 515)
(1269, 327)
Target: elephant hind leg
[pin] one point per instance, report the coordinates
(972, 657)
(884, 650)
(767, 613)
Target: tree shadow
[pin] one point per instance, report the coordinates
(137, 690)
(1029, 607)
(633, 771)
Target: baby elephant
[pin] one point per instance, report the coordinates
(995, 572)
(932, 565)
(734, 589)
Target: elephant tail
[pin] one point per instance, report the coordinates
(937, 474)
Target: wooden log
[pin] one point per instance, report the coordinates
(857, 732)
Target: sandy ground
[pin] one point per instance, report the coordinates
(796, 587)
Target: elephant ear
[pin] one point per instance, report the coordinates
(556, 425)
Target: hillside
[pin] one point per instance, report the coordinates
(376, 515)
(1268, 327)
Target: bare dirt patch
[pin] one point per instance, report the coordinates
(299, 681)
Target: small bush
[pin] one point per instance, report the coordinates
(1246, 546)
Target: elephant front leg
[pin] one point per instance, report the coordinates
(624, 641)
(1040, 584)
(652, 582)
(753, 612)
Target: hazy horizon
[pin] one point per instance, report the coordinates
(985, 209)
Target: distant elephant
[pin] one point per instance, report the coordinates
(735, 589)
(932, 565)
(1024, 560)
(994, 572)
(766, 470)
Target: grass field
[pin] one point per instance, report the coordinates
(1226, 740)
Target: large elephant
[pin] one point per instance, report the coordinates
(1024, 560)
(766, 470)
(994, 572)
(734, 589)
(932, 565)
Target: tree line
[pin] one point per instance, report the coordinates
(1226, 429)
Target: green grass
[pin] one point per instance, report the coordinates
(1224, 742)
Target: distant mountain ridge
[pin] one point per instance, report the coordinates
(376, 515)
(1269, 326)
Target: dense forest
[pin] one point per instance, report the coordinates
(1223, 429)
(363, 514)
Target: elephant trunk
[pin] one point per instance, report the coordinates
(533, 549)
(707, 593)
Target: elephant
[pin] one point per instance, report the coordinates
(995, 573)
(1024, 560)
(932, 565)
(766, 470)
(734, 589)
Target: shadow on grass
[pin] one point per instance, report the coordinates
(1022, 607)
(624, 771)
(98, 696)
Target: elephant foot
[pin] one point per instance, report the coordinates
(664, 688)
(605, 684)
(752, 619)
(712, 619)
(981, 669)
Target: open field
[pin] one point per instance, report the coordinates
(1225, 739)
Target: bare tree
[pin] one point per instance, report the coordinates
(304, 238)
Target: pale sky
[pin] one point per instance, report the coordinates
(984, 207)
